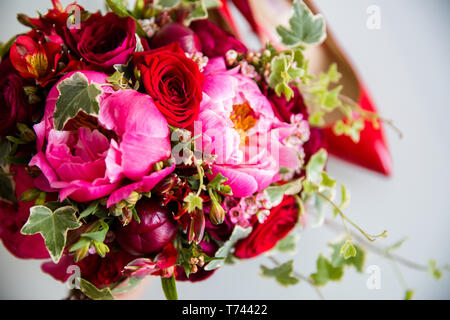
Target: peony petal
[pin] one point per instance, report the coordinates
(145, 185)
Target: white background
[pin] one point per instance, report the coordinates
(406, 68)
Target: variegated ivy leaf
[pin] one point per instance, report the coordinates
(194, 202)
(315, 167)
(304, 27)
(286, 68)
(53, 226)
(223, 252)
(94, 293)
(348, 250)
(166, 4)
(282, 274)
(326, 272)
(75, 95)
(338, 260)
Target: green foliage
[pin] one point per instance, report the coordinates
(286, 68)
(409, 294)
(315, 167)
(167, 4)
(120, 9)
(326, 272)
(344, 254)
(224, 251)
(169, 287)
(76, 94)
(433, 270)
(283, 274)
(339, 260)
(194, 202)
(304, 27)
(53, 226)
(288, 244)
(218, 184)
(347, 250)
(94, 293)
(7, 186)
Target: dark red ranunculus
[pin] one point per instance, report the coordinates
(175, 32)
(264, 237)
(173, 81)
(208, 248)
(155, 230)
(14, 105)
(103, 41)
(215, 41)
(14, 216)
(95, 269)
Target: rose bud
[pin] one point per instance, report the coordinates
(216, 213)
(155, 230)
(174, 32)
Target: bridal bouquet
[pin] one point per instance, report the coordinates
(149, 141)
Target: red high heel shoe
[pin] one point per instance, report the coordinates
(372, 151)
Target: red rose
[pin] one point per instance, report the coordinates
(103, 41)
(13, 217)
(264, 237)
(173, 81)
(175, 32)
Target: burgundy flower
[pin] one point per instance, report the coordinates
(13, 217)
(215, 41)
(264, 237)
(103, 41)
(95, 269)
(155, 230)
(173, 81)
(175, 32)
(14, 106)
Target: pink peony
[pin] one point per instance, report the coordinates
(240, 129)
(93, 157)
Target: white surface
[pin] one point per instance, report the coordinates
(405, 66)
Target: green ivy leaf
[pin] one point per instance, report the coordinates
(166, 4)
(315, 166)
(194, 202)
(224, 251)
(94, 293)
(282, 274)
(288, 244)
(53, 226)
(91, 209)
(119, 8)
(286, 68)
(169, 287)
(76, 94)
(348, 250)
(326, 272)
(304, 27)
(338, 260)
